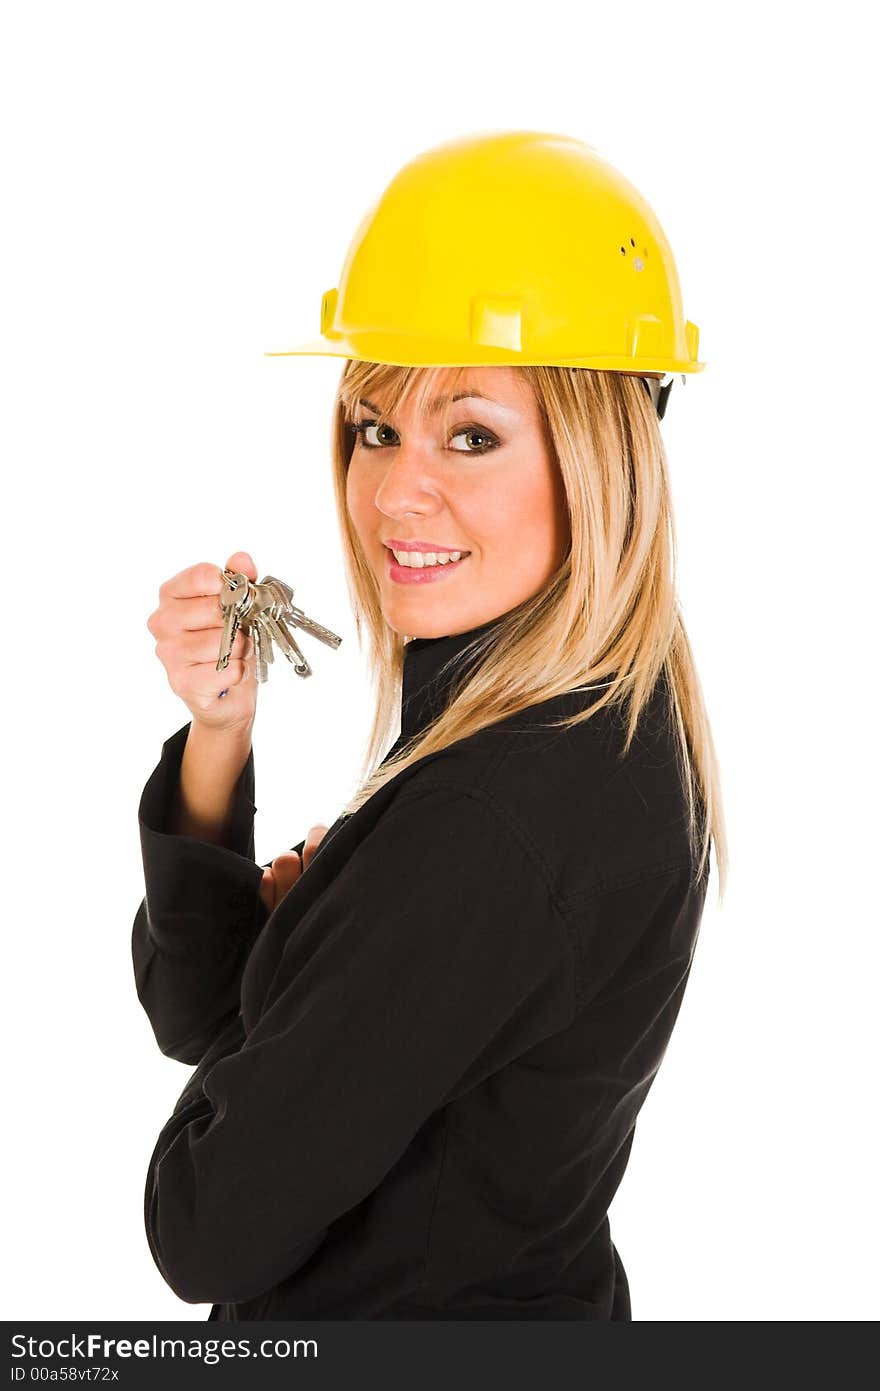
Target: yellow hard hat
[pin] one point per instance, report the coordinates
(509, 248)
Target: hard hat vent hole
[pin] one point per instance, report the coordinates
(638, 262)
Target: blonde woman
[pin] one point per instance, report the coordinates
(423, 1036)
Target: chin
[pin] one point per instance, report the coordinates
(420, 630)
(427, 626)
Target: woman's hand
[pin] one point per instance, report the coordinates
(286, 868)
(187, 626)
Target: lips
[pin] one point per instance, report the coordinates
(426, 546)
(421, 575)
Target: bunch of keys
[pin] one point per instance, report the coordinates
(264, 610)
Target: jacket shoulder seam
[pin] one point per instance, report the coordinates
(654, 869)
(565, 905)
(503, 813)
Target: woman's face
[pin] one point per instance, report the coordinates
(490, 489)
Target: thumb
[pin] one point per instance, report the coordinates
(242, 562)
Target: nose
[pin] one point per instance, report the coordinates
(408, 483)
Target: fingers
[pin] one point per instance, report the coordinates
(205, 578)
(285, 871)
(190, 662)
(313, 840)
(242, 562)
(201, 684)
(287, 868)
(189, 648)
(267, 889)
(186, 614)
(190, 600)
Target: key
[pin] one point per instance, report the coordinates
(265, 638)
(248, 591)
(263, 599)
(278, 595)
(281, 634)
(317, 630)
(263, 619)
(234, 600)
(259, 629)
(262, 646)
(291, 614)
(279, 611)
(274, 605)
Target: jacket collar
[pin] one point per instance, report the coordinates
(427, 681)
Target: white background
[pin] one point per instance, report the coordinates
(180, 183)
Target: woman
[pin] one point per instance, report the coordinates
(423, 1038)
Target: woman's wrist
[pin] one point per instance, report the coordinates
(212, 763)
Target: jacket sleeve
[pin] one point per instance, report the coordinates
(200, 915)
(435, 957)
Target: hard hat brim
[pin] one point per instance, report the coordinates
(402, 352)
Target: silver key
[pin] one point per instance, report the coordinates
(282, 636)
(291, 614)
(263, 598)
(261, 622)
(235, 602)
(262, 647)
(273, 611)
(266, 638)
(309, 625)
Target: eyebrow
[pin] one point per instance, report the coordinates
(439, 400)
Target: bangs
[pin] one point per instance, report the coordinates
(392, 387)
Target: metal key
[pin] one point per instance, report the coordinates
(265, 638)
(235, 602)
(291, 614)
(250, 616)
(262, 649)
(267, 652)
(276, 617)
(282, 636)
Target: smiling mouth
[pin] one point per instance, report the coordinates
(423, 557)
(421, 572)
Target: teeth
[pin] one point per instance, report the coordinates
(418, 559)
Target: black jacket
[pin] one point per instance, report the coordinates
(417, 1082)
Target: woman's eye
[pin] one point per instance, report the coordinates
(366, 425)
(485, 440)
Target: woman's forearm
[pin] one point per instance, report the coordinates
(212, 763)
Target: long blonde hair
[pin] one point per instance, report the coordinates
(610, 613)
